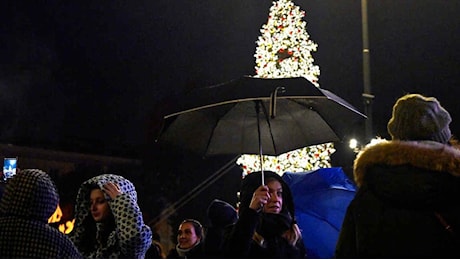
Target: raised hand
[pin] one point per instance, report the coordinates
(260, 197)
(112, 189)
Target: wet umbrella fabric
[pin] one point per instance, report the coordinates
(251, 115)
(321, 198)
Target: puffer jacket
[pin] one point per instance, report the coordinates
(128, 237)
(402, 186)
(29, 200)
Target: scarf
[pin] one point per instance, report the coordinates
(183, 252)
(274, 224)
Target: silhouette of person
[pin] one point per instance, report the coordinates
(409, 188)
(222, 216)
(29, 200)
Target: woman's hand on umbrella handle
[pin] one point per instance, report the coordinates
(260, 197)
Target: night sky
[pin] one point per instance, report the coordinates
(91, 76)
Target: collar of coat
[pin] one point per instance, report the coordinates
(421, 154)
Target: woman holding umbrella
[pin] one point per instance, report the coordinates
(266, 227)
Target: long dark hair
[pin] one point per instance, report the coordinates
(88, 240)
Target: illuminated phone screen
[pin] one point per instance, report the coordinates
(9, 167)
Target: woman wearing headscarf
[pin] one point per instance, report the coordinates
(266, 227)
(108, 220)
(29, 200)
(408, 200)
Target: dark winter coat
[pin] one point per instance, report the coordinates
(221, 216)
(126, 237)
(29, 200)
(401, 186)
(259, 235)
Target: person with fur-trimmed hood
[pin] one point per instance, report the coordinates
(30, 199)
(266, 226)
(408, 201)
(108, 220)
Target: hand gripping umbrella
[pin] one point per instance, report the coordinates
(251, 115)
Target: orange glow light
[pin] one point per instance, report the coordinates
(65, 228)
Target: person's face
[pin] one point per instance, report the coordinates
(275, 203)
(99, 206)
(186, 236)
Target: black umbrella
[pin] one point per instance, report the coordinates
(251, 115)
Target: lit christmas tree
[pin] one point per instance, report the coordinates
(284, 50)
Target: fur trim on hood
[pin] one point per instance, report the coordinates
(421, 154)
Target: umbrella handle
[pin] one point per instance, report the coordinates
(260, 142)
(273, 97)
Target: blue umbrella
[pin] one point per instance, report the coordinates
(321, 198)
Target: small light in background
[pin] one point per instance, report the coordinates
(356, 146)
(353, 144)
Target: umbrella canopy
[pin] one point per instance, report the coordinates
(250, 114)
(321, 198)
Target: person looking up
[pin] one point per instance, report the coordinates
(108, 220)
(408, 194)
(190, 240)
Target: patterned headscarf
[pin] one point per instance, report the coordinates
(130, 238)
(30, 194)
(30, 198)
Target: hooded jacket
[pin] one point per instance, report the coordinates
(29, 200)
(221, 216)
(258, 234)
(402, 185)
(126, 236)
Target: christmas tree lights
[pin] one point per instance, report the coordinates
(284, 49)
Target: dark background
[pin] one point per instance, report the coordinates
(95, 76)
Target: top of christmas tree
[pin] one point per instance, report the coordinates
(284, 47)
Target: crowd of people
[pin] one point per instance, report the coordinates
(406, 206)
